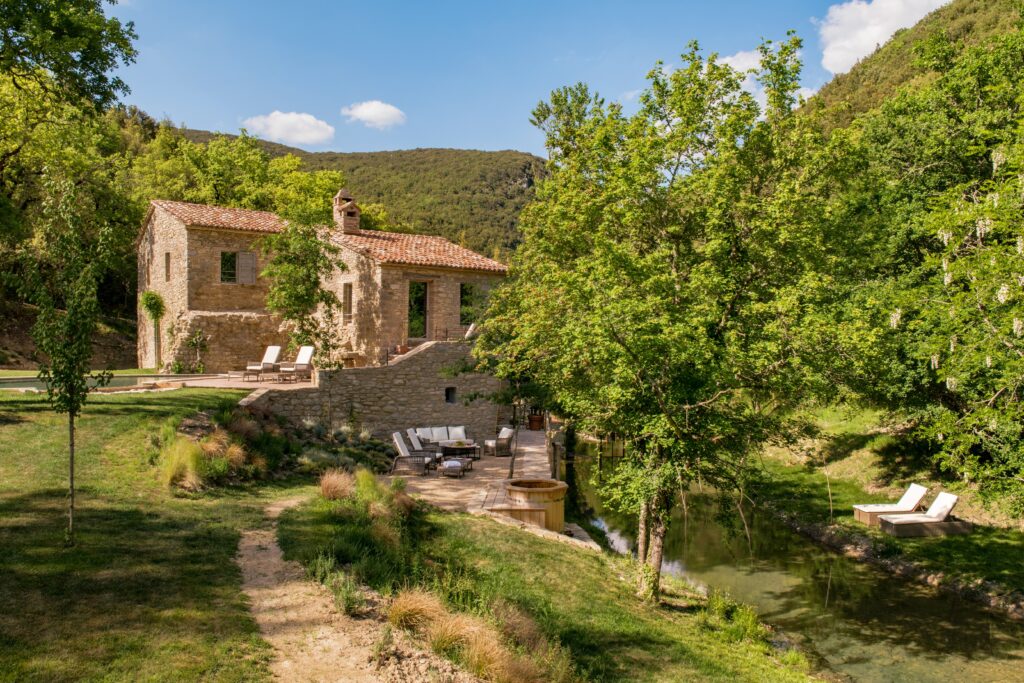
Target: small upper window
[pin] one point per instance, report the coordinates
(350, 214)
(229, 267)
(346, 303)
(167, 266)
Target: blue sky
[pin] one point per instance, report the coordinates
(384, 74)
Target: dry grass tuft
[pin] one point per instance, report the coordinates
(404, 503)
(520, 670)
(244, 427)
(448, 634)
(415, 610)
(519, 627)
(215, 445)
(485, 656)
(236, 455)
(336, 484)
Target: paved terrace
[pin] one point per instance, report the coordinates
(483, 485)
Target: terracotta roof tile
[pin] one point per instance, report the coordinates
(221, 217)
(415, 250)
(384, 247)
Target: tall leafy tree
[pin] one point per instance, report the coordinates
(68, 48)
(662, 285)
(64, 288)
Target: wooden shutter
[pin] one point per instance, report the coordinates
(246, 268)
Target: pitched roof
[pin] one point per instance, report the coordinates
(415, 250)
(384, 247)
(221, 217)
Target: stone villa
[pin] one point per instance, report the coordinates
(397, 290)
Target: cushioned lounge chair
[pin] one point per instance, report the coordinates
(418, 445)
(418, 461)
(268, 364)
(302, 368)
(910, 502)
(936, 522)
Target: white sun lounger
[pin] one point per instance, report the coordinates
(937, 521)
(268, 364)
(909, 503)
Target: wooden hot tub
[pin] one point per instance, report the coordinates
(538, 495)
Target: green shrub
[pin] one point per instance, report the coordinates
(348, 597)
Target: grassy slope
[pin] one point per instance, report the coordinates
(891, 66)
(867, 466)
(583, 599)
(151, 591)
(469, 196)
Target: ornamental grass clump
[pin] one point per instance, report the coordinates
(415, 610)
(336, 484)
(183, 464)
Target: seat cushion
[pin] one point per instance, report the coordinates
(457, 433)
(490, 443)
(424, 433)
(439, 434)
(505, 433)
(451, 463)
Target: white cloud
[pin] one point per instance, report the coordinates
(744, 60)
(291, 127)
(853, 29)
(631, 95)
(374, 114)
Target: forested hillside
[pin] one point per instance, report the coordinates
(469, 196)
(897, 62)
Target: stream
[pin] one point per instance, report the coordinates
(851, 619)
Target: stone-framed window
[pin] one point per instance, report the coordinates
(346, 303)
(167, 266)
(238, 267)
(471, 302)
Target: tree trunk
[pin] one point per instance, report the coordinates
(655, 554)
(69, 537)
(641, 534)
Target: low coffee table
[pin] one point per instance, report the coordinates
(469, 450)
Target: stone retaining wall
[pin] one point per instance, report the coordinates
(411, 392)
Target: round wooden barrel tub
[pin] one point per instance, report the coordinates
(546, 493)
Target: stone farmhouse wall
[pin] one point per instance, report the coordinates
(163, 249)
(234, 338)
(205, 290)
(407, 393)
(359, 334)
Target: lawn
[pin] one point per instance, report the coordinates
(866, 466)
(582, 599)
(151, 590)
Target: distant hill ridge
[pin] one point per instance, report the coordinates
(880, 74)
(471, 197)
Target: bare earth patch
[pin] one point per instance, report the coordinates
(312, 639)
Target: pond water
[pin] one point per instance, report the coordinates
(115, 381)
(851, 619)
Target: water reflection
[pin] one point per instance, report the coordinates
(853, 619)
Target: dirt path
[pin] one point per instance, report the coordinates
(312, 640)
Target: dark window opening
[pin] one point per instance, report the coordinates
(167, 266)
(471, 303)
(449, 394)
(229, 267)
(417, 310)
(350, 214)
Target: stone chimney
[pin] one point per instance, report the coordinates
(346, 213)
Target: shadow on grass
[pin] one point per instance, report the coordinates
(837, 447)
(147, 593)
